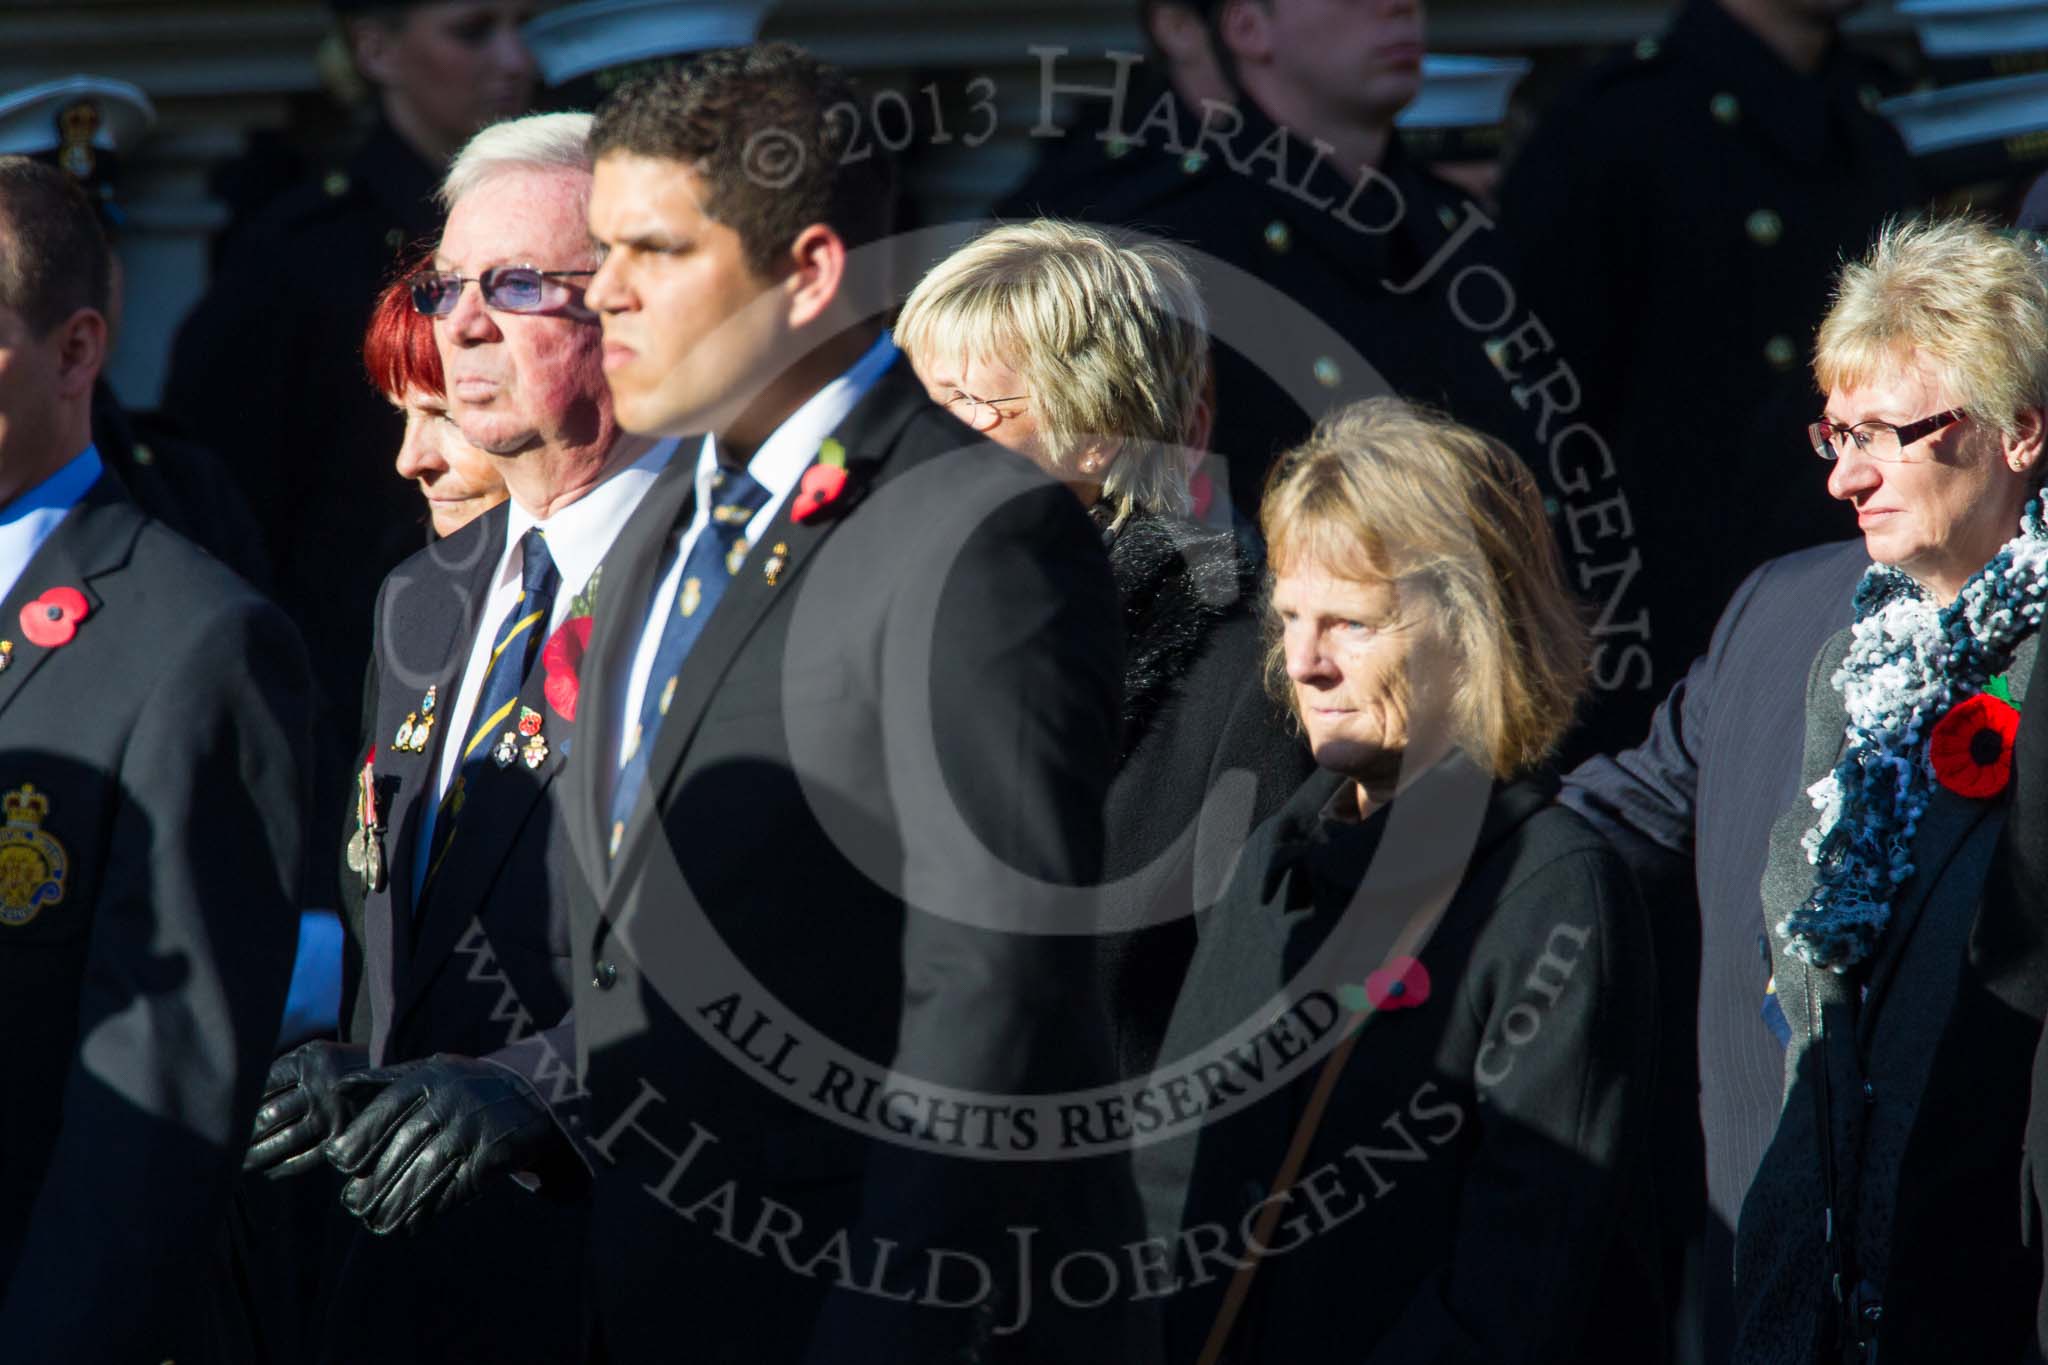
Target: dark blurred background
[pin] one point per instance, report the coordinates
(254, 93)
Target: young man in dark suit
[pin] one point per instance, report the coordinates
(851, 706)
(154, 738)
(461, 948)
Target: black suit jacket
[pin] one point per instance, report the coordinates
(1691, 809)
(484, 953)
(953, 607)
(170, 739)
(477, 966)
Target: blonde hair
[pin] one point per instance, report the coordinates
(1107, 332)
(1970, 298)
(1386, 489)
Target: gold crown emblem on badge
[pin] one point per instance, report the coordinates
(77, 125)
(33, 866)
(25, 807)
(80, 121)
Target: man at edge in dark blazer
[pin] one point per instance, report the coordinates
(1690, 808)
(749, 807)
(460, 948)
(155, 726)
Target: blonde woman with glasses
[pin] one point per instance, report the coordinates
(1087, 353)
(1934, 362)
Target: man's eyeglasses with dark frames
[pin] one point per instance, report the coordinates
(507, 288)
(1879, 440)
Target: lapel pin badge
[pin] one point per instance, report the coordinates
(778, 560)
(506, 749)
(417, 727)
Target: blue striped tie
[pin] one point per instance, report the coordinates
(517, 646)
(714, 561)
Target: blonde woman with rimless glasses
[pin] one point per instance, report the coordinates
(1087, 353)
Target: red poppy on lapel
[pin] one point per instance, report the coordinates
(1402, 984)
(562, 659)
(1971, 747)
(823, 483)
(52, 619)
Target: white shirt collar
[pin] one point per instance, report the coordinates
(790, 448)
(580, 534)
(33, 517)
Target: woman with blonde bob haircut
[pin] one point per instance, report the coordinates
(1934, 361)
(1084, 350)
(1462, 1174)
(1087, 352)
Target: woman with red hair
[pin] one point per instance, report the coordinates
(458, 480)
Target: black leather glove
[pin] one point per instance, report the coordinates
(310, 1095)
(436, 1137)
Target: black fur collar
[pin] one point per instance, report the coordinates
(1176, 581)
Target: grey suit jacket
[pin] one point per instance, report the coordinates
(1862, 1044)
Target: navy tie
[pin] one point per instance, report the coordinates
(714, 561)
(513, 652)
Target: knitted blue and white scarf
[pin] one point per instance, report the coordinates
(1909, 661)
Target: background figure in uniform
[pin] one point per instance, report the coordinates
(749, 779)
(268, 369)
(154, 737)
(1078, 175)
(1676, 221)
(1358, 236)
(85, 126)
(463, 946)
(589, 49)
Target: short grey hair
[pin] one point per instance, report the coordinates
(537, 142)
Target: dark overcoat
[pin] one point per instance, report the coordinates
(1477, 1187)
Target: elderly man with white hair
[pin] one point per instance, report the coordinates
(456, 947)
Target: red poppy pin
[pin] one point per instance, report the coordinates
(824, 482)
(52, 619)
(562, 659)
(1971, 747)
(1401, 984)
